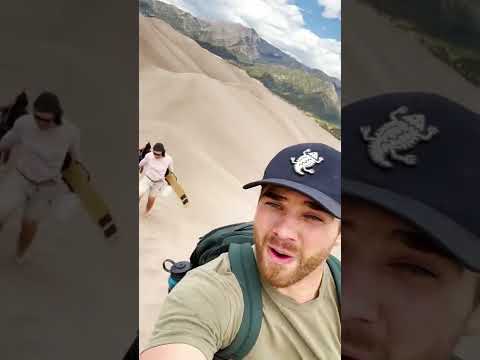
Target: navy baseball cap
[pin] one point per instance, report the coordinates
(416, 155)
(312, 169)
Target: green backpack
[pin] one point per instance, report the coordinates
(237, 240)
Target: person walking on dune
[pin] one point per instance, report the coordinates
(153, 167)
(43, 140)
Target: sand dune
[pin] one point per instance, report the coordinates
(221, 127)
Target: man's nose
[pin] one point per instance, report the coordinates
(287, 228)
(360, 292)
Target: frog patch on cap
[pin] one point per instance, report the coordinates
(305, 163)
(402, 133)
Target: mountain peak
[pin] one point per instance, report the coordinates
(241, 40)
(310, 89)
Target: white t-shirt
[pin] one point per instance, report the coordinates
(41, 153)
(155, 169)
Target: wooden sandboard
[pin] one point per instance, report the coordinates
(171, 179)
(77, 178)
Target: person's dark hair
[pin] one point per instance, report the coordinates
(17, 109)
(48, 102)
(21, 101)
(158, 147)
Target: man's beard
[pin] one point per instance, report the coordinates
(281, 276)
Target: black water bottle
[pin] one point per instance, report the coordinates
(177, 271)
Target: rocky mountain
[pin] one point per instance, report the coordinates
(309, 89)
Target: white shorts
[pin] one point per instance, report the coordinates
(16, 191)
(153, 188)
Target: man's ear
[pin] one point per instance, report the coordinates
(473, 322)
(338, 240)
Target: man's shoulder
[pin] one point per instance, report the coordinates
(218, 267)
(204, 310)
(213, 282)
(216, 275)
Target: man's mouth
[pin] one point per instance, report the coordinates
(279, 255)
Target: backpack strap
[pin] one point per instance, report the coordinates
(244, 266)
(336, 270)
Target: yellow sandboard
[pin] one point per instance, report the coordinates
(171, 179)
(78, 179)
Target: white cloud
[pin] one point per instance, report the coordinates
(331, 8)
(279, 22)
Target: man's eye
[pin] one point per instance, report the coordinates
(414, 269)
(272, 204)
(313, 217)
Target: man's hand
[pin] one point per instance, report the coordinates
(173, 351)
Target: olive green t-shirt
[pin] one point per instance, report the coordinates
(205, 310)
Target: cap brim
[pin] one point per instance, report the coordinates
(325, 201)
(459, 242)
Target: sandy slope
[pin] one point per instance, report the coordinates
(221, 127)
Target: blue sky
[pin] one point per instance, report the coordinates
(308, 30)
(320, 25)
